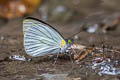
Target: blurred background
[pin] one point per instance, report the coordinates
(98, 22)
(99, 17)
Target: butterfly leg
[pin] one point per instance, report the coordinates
(56, 58)
(70, 54)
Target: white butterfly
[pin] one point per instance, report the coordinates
(42, 39)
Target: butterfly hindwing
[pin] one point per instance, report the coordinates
(39, 38)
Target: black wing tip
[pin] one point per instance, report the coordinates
(32, 18)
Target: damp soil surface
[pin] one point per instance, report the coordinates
(92, 67)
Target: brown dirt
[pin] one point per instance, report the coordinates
(11, 43)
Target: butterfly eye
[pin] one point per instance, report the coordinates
(69, 41)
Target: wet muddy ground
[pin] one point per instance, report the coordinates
(99, 65)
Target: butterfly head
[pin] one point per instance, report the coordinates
(65, 45)
(69, 42)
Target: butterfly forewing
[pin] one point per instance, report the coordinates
(40, 39)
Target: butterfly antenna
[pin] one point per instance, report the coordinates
(80, 30)
(75, 34)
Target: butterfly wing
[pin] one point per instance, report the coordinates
(40, 38)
